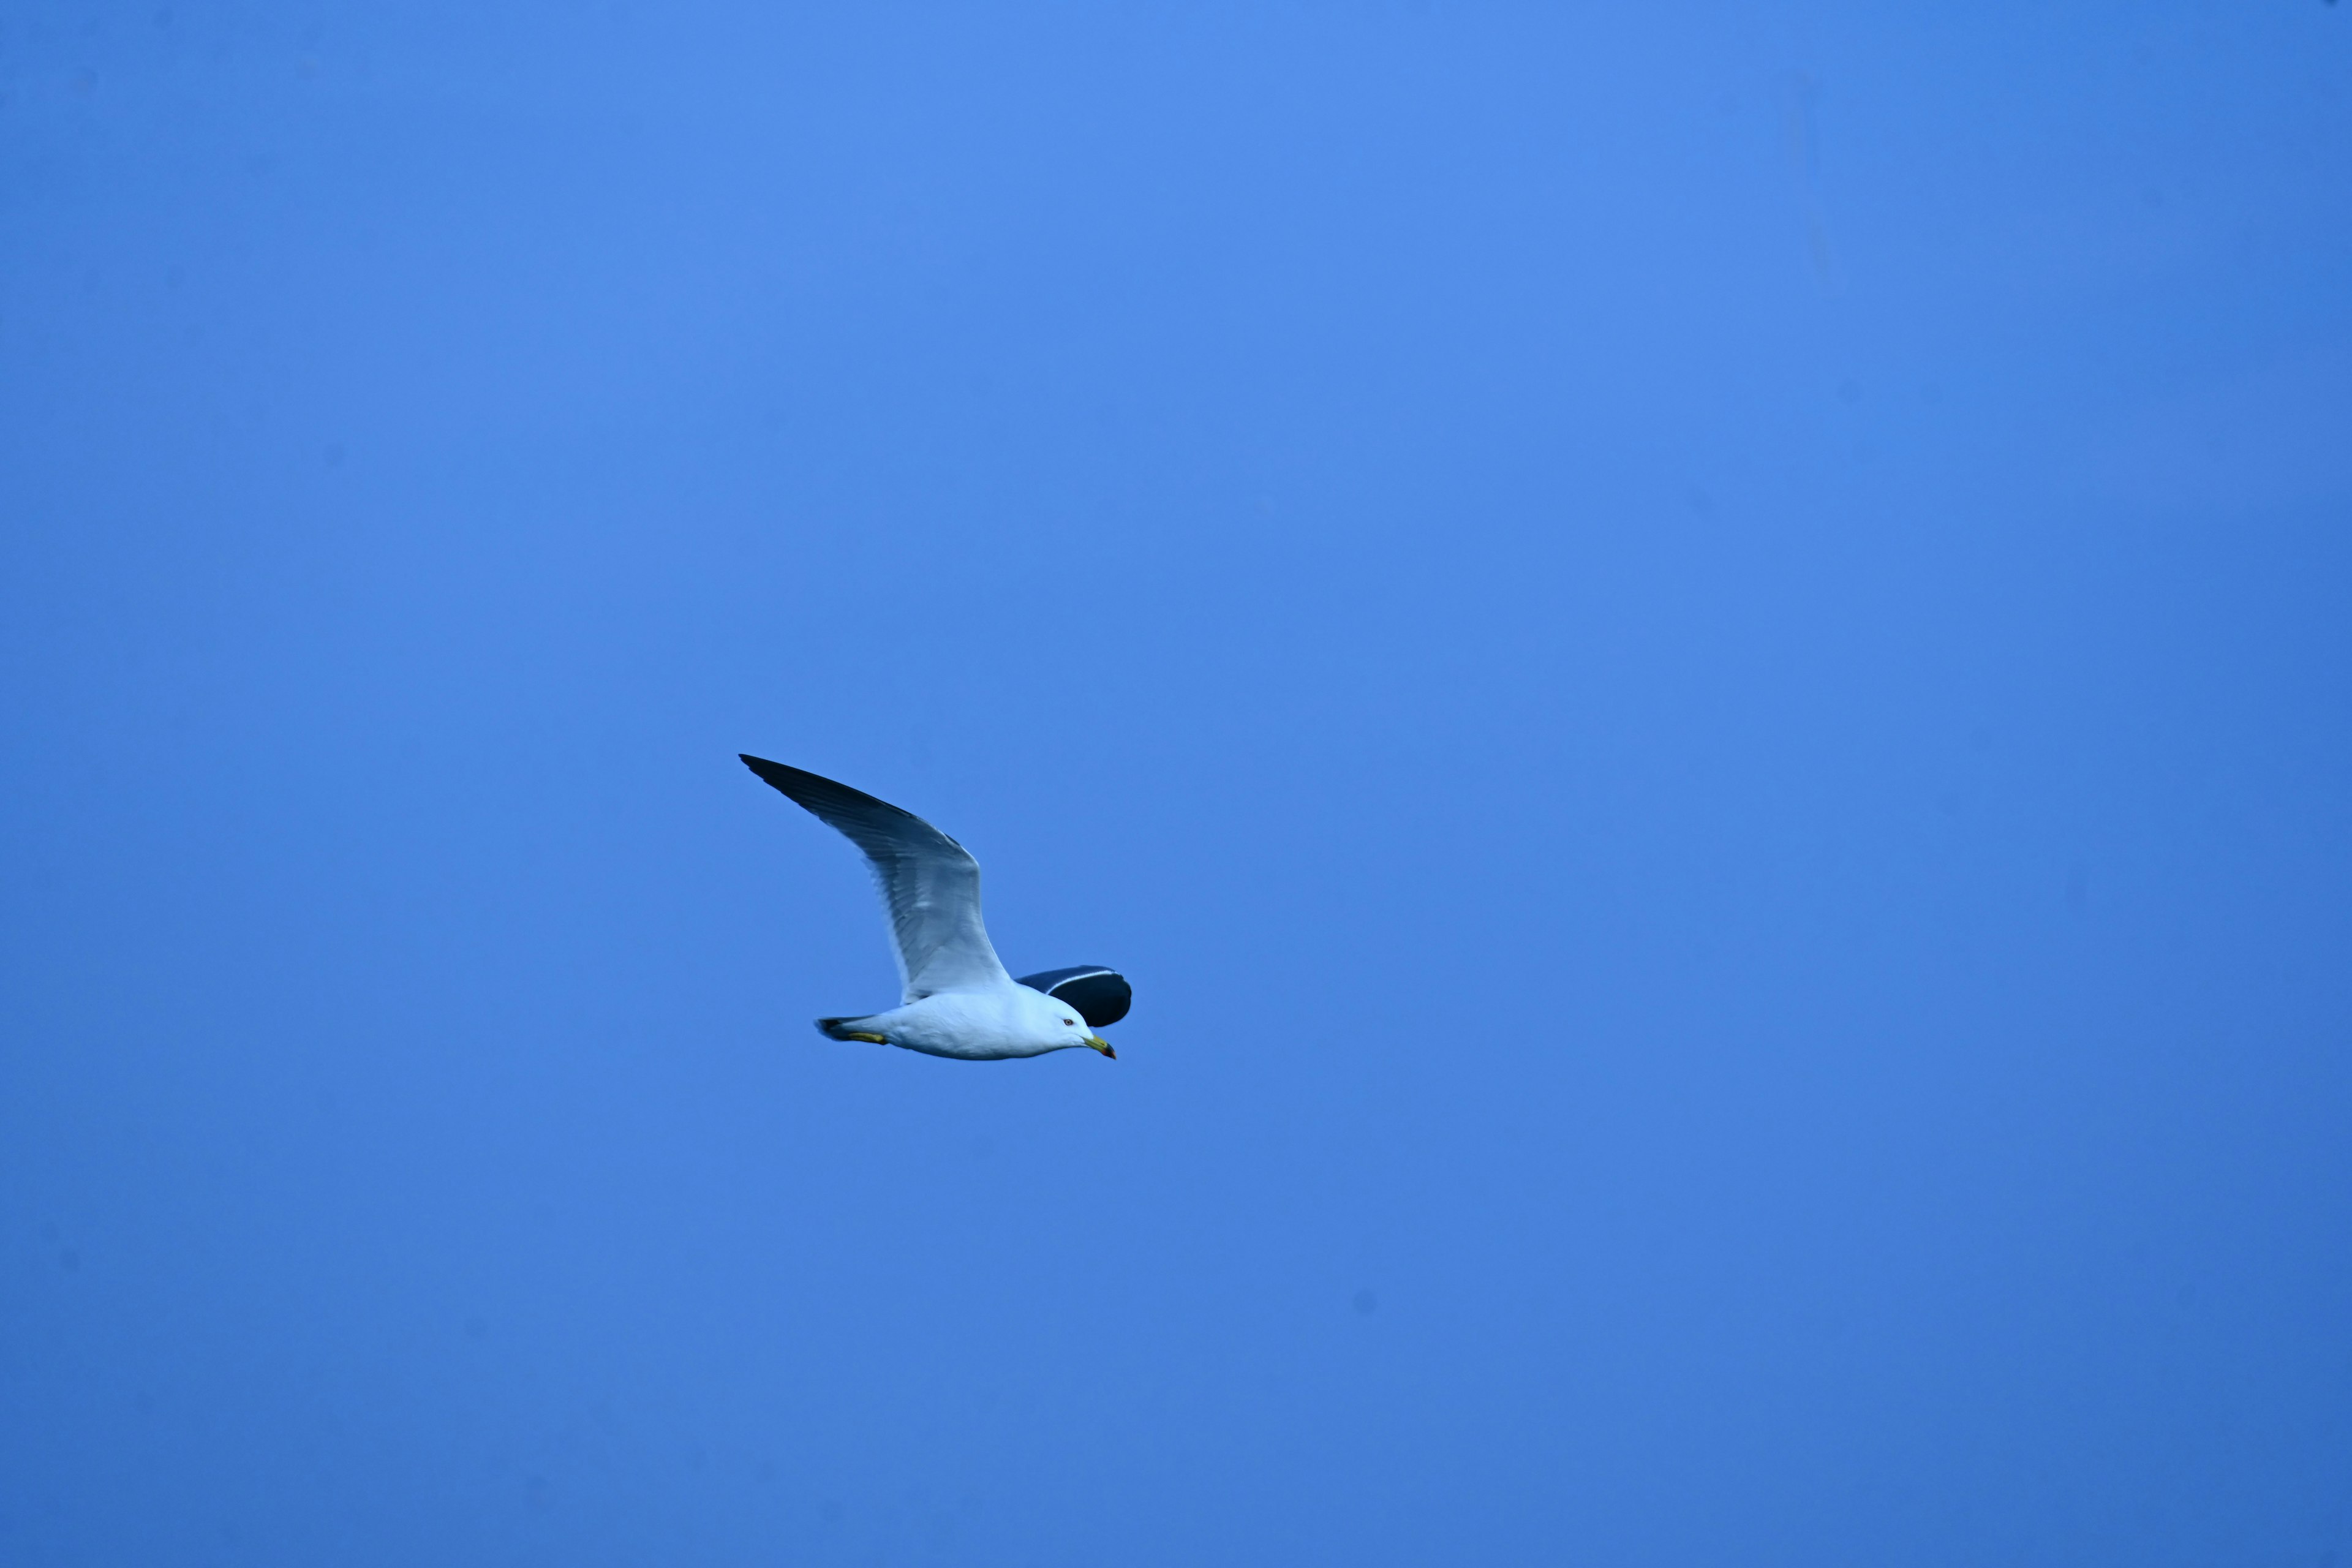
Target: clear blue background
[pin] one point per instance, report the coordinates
(1698, 654)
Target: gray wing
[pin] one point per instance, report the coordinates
(930, 881)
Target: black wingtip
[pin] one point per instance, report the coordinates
(797, 783)
(1099, 993)
(875, 825)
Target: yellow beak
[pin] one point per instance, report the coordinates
(1098, 1043)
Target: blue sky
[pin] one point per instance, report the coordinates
(1697, 656)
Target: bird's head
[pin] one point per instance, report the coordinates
(1082, 1034)
(1064, 1025)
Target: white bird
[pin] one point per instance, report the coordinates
(960, 999)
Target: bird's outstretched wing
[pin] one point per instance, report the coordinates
(930, 881)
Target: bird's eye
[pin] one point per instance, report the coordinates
(1071, 1021)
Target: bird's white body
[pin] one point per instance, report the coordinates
(981, 1025)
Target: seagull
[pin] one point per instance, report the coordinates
(960, 999)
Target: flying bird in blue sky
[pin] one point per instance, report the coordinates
(960, 999)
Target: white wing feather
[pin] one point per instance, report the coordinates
(930, 882)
